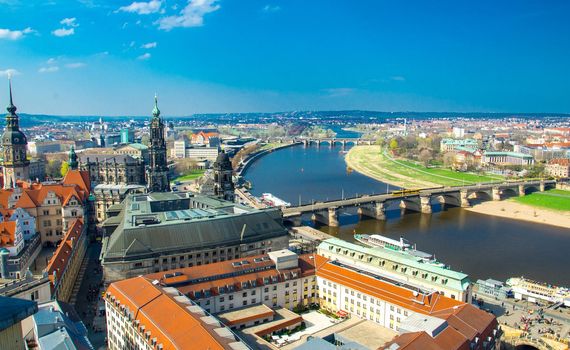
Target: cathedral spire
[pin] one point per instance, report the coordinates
(11, 108)
(155, 110)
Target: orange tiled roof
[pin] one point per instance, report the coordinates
(167, 320)
(560, 161)
(79, 178)
(60, 257)
(7, 233)
(182, 282)
(425, 304)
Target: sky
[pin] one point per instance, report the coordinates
(109, 57)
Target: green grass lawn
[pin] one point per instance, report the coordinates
(445, 177)
(194, 174)
(553, 199)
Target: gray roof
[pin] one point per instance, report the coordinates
(191, 222)
(15, 310)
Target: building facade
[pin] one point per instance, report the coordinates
(276, 279)
(52, 205)
(157, 169)
(400, 266)
(559, 167)
(63, 267)
(113, 169)
(507, 158)
(140, 315)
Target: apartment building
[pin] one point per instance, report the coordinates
(52, 205)
(276, 279)
(63, 267)
(143, 314)
(400, 266)
(559, 167)
(347, 289)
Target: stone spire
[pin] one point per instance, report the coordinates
(11, 108)
(155, 110)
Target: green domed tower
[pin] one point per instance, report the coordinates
(15, 161)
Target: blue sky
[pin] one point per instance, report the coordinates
(109, 57)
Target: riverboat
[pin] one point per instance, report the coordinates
(533, 291)
(401, 245)
(273, 201)
(383, 242)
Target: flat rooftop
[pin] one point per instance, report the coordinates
(368, 333)
(245, 314)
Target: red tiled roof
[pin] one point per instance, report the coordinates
(187, 274)
(167, 320)
(425, 304)
(7, 233)
(60, 258)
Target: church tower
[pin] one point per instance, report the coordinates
(157, 171)
(14, 147)
(223, 184)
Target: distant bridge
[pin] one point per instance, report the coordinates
(329, 141)
(375, 205)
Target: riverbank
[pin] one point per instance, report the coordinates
(513, 210)
(375, 162)
(254, 157)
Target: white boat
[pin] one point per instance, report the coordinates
(273, 201)
(384, 242)
(401, 245)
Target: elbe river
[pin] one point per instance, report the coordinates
(482, 246)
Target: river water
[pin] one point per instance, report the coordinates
(482, 246)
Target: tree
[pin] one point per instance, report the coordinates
(425, 156)
(393, 145)
(53, 168)
(64, 168)
(448, 159)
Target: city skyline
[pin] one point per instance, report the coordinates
(92, 57)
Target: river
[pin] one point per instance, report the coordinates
(482, 246)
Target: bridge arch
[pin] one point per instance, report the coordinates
(549, 185)
(447, 199)
(480, 195)
(531, 189)
(509, 192)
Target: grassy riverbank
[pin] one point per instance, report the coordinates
(553, 199)
(372, 161)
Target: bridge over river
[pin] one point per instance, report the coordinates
(421, 200)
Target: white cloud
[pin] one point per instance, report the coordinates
(192, 15)
(14, 34)
(51, 61)
(75, 65)
(398, 78)
(61, 32)
(142, 8)
(70, 22)
(144, 57)
(10, 72)
(51, 69)
(149, 45)
(271, 8)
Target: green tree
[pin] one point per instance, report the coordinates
(64, 169)
(53, 168)
(393, 145)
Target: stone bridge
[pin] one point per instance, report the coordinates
(330, 141)
(375, 205)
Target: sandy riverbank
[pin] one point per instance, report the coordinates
(517, 211)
